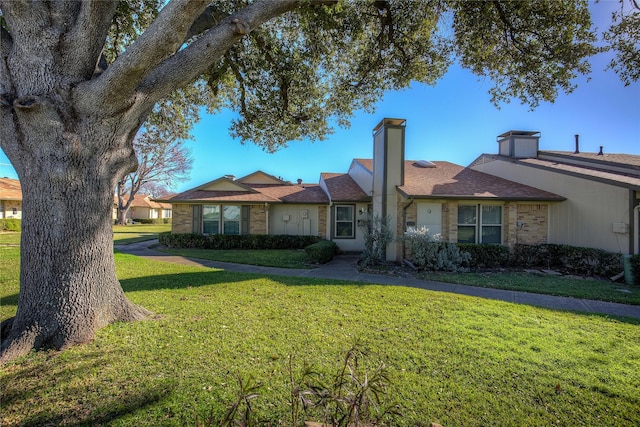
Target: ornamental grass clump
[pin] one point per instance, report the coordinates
(429, 252)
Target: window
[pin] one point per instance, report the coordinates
(231, 220)
(211, 219)
(344, 222)
(485, 228)
(218, 219)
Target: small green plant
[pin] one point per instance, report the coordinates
(377, 235)
(429, 252)
(354, 396)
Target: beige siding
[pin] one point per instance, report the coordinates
(586, 218)
(7, 209)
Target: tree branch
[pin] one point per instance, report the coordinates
(113, 89)
(186, 65)
(85, 40)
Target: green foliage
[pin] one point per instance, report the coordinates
(624, 38)
(530, 49)
(486, 256)
(322, 251)
(377, 235)
(236, 241)
(568, 259)
(429, 252)
(10, 224)
(635, 268)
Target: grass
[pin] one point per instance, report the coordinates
(125, 234)
(122, 234)
(285, 258)
(455, 360)
(9, 238)
(602, 290)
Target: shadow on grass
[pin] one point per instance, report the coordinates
(77, 410)
(220, 277)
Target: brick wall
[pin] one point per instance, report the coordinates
(322, 221)
(535, 219)
(257, 219)
(182, 221)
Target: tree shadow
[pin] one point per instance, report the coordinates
(18, 387)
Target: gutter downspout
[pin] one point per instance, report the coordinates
(266, 214)
(404, 226)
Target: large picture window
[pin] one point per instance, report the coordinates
(344, 223)
(217, 219)
(480, 224)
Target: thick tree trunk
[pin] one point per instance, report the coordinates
(68, 283)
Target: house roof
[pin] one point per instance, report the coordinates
(342, 188)
(224, 190)
(448, 181)
(616, 169)
(10, 189)
(145, 201)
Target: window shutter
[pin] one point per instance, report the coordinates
(244, 219)
(197, 219)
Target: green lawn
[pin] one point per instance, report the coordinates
(285, 258)
(125, 234)
(122, 234)
(456, 360)
(602, 290)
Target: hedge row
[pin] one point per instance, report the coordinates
(563, 258)
(635, 268)
(152, 221)
(322, 251)
(10, 224)
(231, 241)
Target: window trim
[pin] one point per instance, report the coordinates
(479, 223)
(352, 221)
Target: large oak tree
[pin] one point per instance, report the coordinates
(79, 79)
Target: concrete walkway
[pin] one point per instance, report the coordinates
(344, 267)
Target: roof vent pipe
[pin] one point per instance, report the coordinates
(577, 145)
(600, 153)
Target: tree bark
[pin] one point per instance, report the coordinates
(68, 283)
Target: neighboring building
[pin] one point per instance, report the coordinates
(602, 190)
(463, 205)
(145, 207)
(10, 198)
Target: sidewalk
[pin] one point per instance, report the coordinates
(344, 267)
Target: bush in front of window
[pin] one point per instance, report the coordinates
(429, 252)
(322, 251)
(486, 256)
(235, 241)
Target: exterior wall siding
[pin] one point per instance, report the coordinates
(586, 218)
(7, 209)
(182, 221)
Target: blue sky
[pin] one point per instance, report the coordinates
(453, 121)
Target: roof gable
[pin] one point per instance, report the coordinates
(259, 177)
(223, 184)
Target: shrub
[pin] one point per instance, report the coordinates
(568, 259)
(147, 221)
(10, 224)
(635, 268)
(377, 235)
(430, 253)
(486, 256)
(322, 251)
(236, 241)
